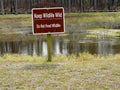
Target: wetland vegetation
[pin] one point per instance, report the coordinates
(75, 22)
(74, 70)
(85, 72)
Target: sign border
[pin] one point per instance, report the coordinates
(48, 32)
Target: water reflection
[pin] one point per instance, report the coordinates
(71, 44)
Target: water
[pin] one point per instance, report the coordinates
(63, 44)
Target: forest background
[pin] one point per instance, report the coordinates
(25, 6)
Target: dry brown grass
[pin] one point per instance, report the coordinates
(87, 72)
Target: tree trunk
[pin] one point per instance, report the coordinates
(2, 7)
(95, 4)
(16, 3)
(81, 6)
(69, 9)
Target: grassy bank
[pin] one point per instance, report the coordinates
(75, 22)
(86, 72)
(92, 19)
(15, 20)
(20, 25)
(26, 19)
(95, 20)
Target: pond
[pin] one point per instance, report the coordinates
(72, 43)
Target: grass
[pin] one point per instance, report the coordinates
(75, 22)
(71, 18)
(85, 72)
(16, 20)
(15, 24)
(92, 17)
(95, 20)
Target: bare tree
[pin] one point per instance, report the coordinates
(16, 6)
(95, 4)
(69, 3)
(81, 5)
(12, 6)
(2, 7)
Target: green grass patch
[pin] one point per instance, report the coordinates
(92, 17)
(16, 20)
(26, 19)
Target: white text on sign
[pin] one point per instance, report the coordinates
(48, 25)
(48, 15)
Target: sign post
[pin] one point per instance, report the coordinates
(49, 47)
(48, 21)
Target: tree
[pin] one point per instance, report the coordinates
(2, 7)
(81, 5)
(69, 3)
(16, 3)
(95, 4)
(12, 6)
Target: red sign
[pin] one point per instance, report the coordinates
(48, 20)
